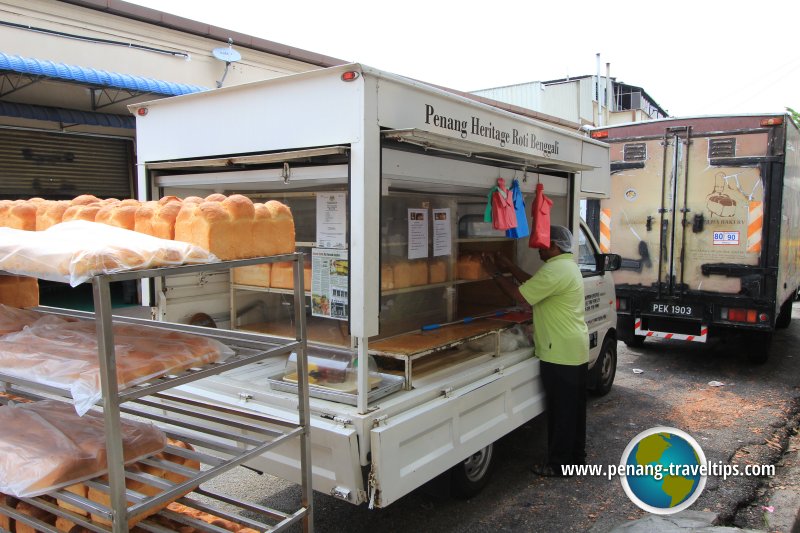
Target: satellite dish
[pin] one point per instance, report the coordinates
(228, 55)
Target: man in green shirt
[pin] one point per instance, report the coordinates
(561, 342)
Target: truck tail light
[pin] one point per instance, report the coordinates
(622, 304)
(738, 314)
(600, 134)
(774, 121)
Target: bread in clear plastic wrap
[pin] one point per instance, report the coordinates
(65, 355)
(75, 251)
(13, 319)
(45, 446)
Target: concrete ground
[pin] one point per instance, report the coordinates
(751, 418)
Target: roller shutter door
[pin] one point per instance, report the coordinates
(62, 166)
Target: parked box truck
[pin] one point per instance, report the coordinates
(705, 213)
(387, 179)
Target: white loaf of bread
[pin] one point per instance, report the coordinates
(120, 214)
(19, 291)
(49, 213)
(87, 212)
(234, 228)
(157, 218)
(18, 214)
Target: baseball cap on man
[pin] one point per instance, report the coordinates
(561, 237)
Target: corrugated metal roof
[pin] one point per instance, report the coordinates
(66, 116)
(92, 76)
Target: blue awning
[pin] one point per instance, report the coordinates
(66, 116)
(95, 77)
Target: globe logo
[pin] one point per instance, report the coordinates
(663, 470)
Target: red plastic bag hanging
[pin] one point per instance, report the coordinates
(503, 214)
(540, 225)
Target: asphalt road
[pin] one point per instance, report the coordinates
(746, 420)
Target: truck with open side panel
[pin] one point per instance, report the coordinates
(387, 179)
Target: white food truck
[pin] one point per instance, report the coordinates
(387, 179)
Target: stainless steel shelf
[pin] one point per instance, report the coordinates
(426, 287)
(230, 441)
(255, 288)
(223, 438)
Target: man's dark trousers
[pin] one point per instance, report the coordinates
(565, 402)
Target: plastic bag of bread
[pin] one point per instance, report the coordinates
(45, 446)
(64, 355)
(13, 319)
(75, 251)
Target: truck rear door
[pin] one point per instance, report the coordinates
(685, 212)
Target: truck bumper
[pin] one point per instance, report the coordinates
(638, 330)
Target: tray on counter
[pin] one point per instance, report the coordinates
(381, 385)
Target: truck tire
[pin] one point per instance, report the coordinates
(469, 477)
(636, 341)
(785, 315)
(601, 375)
(758, 345)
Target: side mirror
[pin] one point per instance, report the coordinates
(608, 262)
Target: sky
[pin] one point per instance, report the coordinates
(697, 57)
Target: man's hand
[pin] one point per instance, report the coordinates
(489, 263)
(503, 261)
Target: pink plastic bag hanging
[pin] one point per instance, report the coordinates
(540, 225)
(504, 217)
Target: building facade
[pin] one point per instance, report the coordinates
(69, 68)
(586, 100)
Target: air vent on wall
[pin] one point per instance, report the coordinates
(722, 148)
(634, 152)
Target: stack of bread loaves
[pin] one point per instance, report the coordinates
(282, 276)
(233, 227)
(470, 266)
(230, 227)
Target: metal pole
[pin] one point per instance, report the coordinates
(303, 408)
(597, 94)
(609, 91)
(110, 389)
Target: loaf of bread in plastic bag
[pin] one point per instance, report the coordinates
(45, 446)
(65, 355)
(75, 251)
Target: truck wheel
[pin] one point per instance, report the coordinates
(637, 341)
(601, 376)
(758, 345)
(785, 315)
(470, 476)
